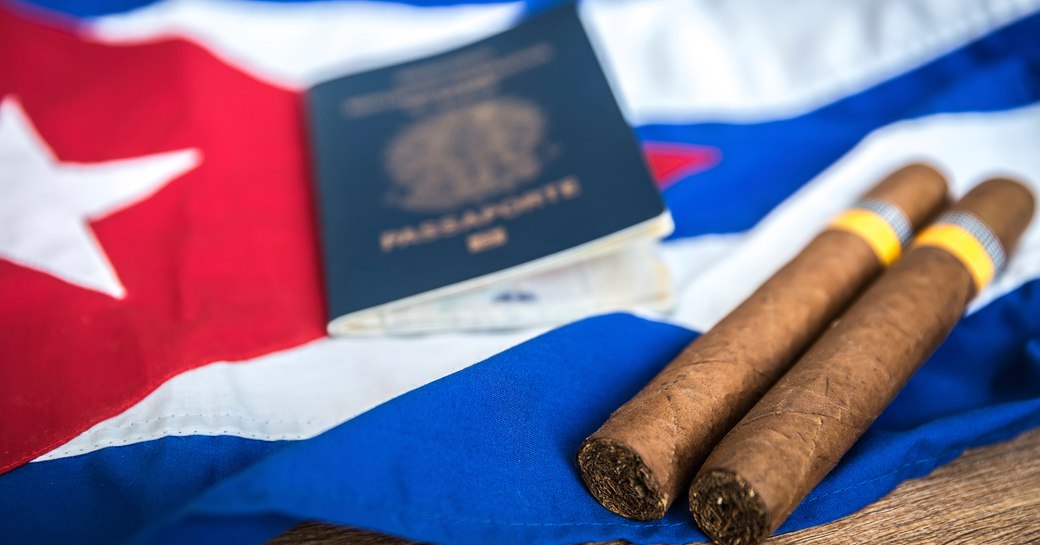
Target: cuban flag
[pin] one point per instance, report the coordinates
(165, 375)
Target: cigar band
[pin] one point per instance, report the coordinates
(881, 224)
(970, 240)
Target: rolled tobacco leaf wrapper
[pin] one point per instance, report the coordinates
(645, 454)
(799, 430)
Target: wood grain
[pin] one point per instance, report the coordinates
(988, 496)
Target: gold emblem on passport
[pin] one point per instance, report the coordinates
(465, 155)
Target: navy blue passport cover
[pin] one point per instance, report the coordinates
(471, 162)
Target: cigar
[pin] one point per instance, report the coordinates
(645, 454)
(798, 431)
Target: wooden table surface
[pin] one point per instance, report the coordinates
(988, 496)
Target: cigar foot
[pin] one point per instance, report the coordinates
(728, 509)
(619, 480)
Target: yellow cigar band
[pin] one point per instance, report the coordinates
(964, 246)
(875, 230)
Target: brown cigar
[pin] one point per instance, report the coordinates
(797, 433)
(641, 458)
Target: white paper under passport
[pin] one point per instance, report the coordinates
(631, 277)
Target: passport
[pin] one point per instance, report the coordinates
(502, 158)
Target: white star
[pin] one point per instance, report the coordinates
(46, 206)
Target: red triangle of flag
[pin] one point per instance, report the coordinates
(670, 162)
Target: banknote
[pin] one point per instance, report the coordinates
(632, 276)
